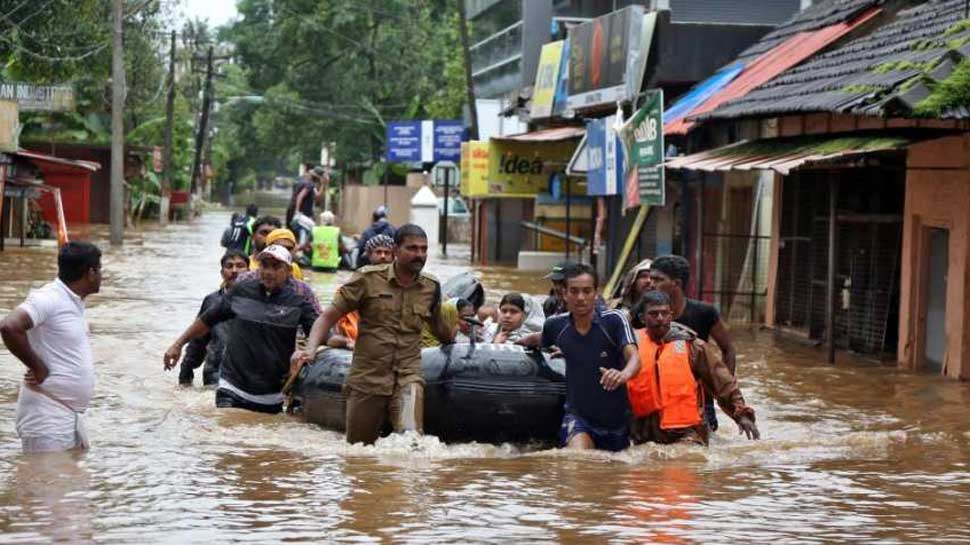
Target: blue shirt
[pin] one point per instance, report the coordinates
(601, 346)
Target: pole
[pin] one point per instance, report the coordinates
(117, 203)
(387, 166)
(830, 301)
(568, 218)
(444, 241)
(203, 122)
(594, 217)
(169, 124)
(469, 83)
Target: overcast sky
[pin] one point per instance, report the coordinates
(218, 12)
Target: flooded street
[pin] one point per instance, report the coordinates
(851, 453)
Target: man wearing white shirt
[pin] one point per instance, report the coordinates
(49, 334)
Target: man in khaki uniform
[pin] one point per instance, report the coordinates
(394, 300)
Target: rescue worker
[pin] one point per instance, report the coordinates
(670, 274)
(210, 347)
(677, 368)
(262, 227)
(380, 250)
(327, 249)
(266, 312)
(381, 226)
(556, 302)
(385, 381)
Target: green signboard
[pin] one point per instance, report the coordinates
(644, 138)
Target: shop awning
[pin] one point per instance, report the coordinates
(35, 158)
(557, 134)
(783, 155)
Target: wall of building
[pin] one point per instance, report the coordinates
(358, 202)
(937, 195)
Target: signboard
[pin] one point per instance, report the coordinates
(547, 78)
(156, 159)
(9, 127)
(404, 141)
(38, 98)
(445, 172)
(604, 155)
(561, 98)
(607, 57)
(424, 141)
(474, 168)
(446, 144)
(524, 169)
(643, 135)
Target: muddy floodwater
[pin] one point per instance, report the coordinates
(851, 453)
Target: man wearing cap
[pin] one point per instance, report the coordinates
(284, 238)
(380, 227)
(556, 302)
(395, 301)
(266, 311)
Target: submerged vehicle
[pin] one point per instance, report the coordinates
(490, 393)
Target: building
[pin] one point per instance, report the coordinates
(865, 187)
(691, 39)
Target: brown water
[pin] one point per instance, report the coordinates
(850, 453)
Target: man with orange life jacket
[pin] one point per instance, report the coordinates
(667, 397)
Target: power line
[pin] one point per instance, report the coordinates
(48, 58)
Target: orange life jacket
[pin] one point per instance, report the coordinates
(348, 325)
(665, 383)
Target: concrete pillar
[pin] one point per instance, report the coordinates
(424, 213)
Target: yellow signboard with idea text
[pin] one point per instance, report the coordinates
(474, 169)
(523, 169)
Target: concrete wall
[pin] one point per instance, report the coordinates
(937, 195)
(357, 203)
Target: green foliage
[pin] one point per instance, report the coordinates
(338, 71)
(952, 92)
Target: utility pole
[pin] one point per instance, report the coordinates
(117, 208)
(169, 122)
(203, 124)
(469, 84)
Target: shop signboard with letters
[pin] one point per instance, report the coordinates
(547, 78)
(643, 136)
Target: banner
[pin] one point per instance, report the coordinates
(643, 136)
(561, 97)
(474, 169)
(547, 76)
(404, 141)
(424, 141)
(607, 58)
(523, 169)
(605, 157)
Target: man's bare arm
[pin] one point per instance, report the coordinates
(723, 338)
(197, 329)
(611, 379)
(13, 330)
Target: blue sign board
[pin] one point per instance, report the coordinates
(424, 141)
(404, 141)
(448, 135)
(605, 158)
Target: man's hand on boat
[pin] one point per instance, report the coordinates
(298, 360)
(534, 340)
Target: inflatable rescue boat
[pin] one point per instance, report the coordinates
(490, 393)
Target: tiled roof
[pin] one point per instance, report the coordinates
(820, 14)
(886, 72)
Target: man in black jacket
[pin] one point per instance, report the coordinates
(209, 347)
(265, 313)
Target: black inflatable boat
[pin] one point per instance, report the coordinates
(490, 393)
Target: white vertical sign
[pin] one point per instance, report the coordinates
(427, 141)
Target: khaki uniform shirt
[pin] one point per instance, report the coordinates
(388, 348)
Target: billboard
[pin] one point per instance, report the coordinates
(547, 78)
(607, 57)
(524, 169)
(604, 157)
(424, 141)
(474, 168)
(643, 136)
